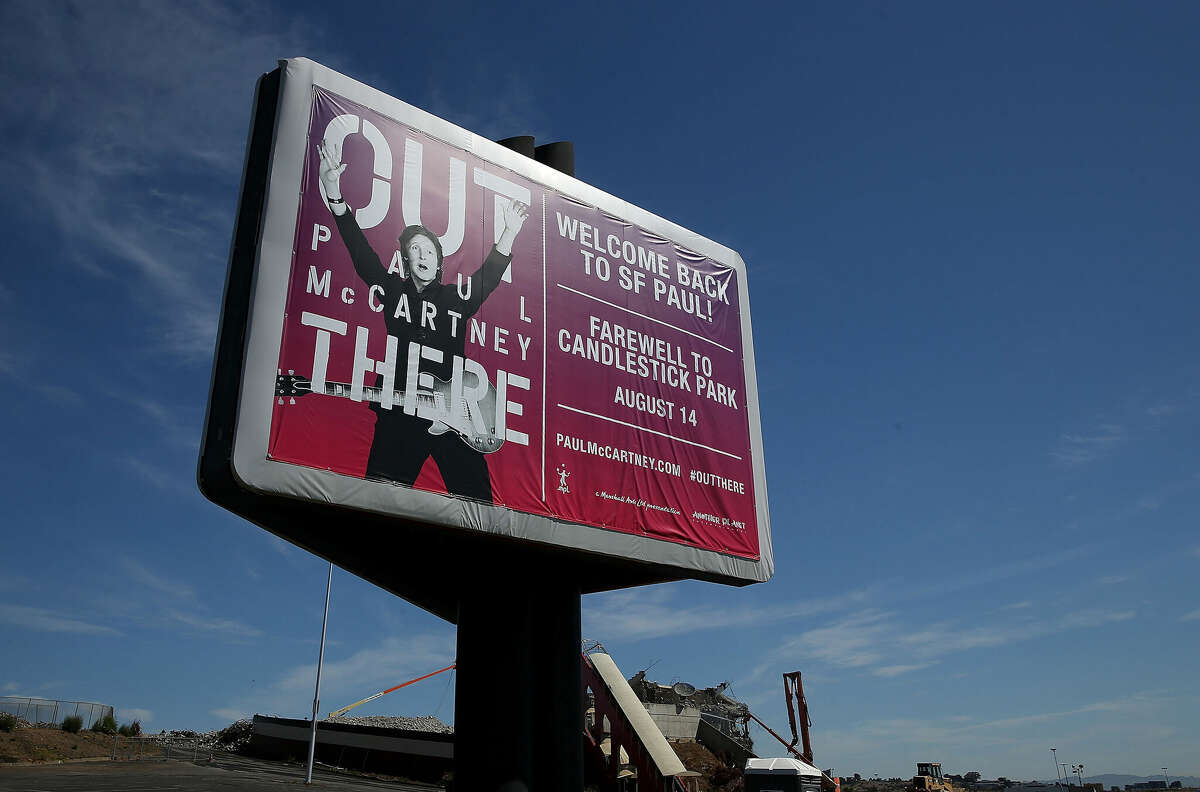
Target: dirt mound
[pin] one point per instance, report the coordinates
(35, 744)
(715, 776)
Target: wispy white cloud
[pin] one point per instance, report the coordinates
(59, 394)
(1192, 616)
(853, 642)
(507, 108)
(281, 546)
(20, 368)
(44, 620)
(1074, 450)
(176, 427)
(10, 687)
(139, 714)
(248, 568)
(112, 136)
(655, 612)
(343, 679)
(1092, 617)
(391, 662)
(1136, 702)
(138, 573)
(944, 639)
(294, 557)
(15, 581)
(1168, 491)
(1149, 503)
(159, 477)
(897, 670)
(987, 576)
(643, 613)
(229, 627)
(963, 735)
(881, 643)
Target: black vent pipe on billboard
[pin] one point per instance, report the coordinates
(522, 144)
(559, 155)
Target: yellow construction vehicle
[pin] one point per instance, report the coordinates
(929, 779)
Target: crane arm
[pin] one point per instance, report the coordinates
(791, 748)
(340, 712)
(794, 688)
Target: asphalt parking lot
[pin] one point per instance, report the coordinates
(232, 774)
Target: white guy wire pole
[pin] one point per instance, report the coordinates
(312, 740)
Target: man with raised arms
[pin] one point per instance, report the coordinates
(418, 307)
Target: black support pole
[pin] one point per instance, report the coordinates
(558, 719)
(493, 710)
(518, 709)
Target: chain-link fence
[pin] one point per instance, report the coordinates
(40, 710)
(158, 747)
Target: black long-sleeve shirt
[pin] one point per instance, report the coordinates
(432, 326)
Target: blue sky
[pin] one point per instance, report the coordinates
(972, 249)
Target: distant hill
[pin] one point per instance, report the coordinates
(1118, 780)
(1113, 779)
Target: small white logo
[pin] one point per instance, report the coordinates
(562, 480)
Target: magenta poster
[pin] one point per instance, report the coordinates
(455, 327)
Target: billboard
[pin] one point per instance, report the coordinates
(444, 331)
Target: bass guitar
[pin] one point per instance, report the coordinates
(475, 423)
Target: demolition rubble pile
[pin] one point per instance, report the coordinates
(725, 713)
(427, 723)
(233, 738)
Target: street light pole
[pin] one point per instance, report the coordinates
(1057, 777)
(1166, 780)
(312, 740)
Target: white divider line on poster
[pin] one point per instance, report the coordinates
(648, 431)
(642, 316)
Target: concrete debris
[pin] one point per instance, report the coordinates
(236, 736)
(232, 738)
(722, 711)
(428, 723)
